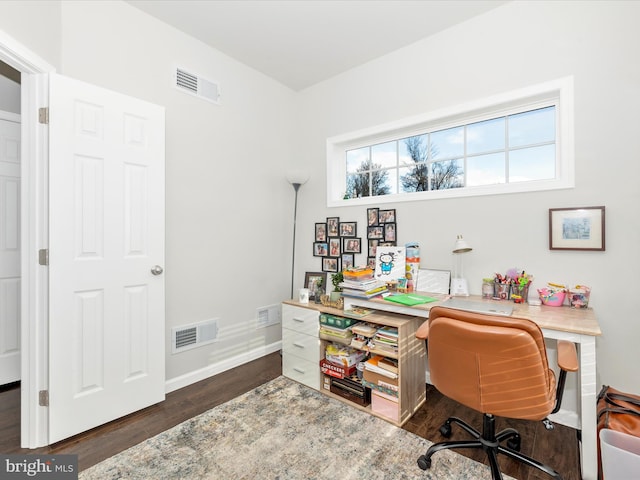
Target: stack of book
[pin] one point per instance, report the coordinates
(386, 340)
(378, 375)
(362, 333)
(367, 288)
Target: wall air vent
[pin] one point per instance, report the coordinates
(196, 85)
(194, 335)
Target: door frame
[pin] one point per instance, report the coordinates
(34, 236)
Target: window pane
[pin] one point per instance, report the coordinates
(358, 185)
(536, 126)
(356, 159)
(486, 169)
(485, 136)
(537, 163)
(413, 150)
(385, 182)
(384, 155)
(414, 179)
(447, 143)
(449, 174)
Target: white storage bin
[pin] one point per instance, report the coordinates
(620, 455)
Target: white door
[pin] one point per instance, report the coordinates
(106, 252)
(9, 251)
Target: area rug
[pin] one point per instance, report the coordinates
(283, 430)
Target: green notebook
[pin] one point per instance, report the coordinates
(410, 299)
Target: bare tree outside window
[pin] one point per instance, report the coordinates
(368, 181)
(444, 175)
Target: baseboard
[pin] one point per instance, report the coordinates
(211, 370)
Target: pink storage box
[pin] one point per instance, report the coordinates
(385, 405)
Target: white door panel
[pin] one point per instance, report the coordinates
(106, 233)
(9, 251)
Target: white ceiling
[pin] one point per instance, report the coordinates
(303, 42)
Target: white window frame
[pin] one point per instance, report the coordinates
(557, 92)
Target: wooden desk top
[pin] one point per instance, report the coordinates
(564, 319)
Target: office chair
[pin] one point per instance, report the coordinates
(497, 366)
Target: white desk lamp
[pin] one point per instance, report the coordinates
(459, 285)
(296, 178)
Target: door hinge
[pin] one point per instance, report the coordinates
(43, 398)
(43, 256)
(43, 115)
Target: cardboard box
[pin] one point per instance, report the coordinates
(385, 405)
(336, 370)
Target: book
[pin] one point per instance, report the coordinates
(357, 312)
(372, 365)
(389, 364)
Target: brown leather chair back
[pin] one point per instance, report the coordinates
(493, 364)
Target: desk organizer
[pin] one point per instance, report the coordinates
(553, 298)
(579, 296)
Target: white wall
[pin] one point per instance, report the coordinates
(513, 46)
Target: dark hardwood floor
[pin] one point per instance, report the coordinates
(558, 447)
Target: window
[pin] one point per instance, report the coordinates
(520, 141)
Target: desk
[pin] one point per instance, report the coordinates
(558, 323)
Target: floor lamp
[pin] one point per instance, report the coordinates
(296, 179)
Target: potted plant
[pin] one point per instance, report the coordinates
(336, 280)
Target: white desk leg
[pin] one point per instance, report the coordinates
(588, 420)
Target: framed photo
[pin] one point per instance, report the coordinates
(375, 232)
(387, 216)
(320, 249)
(351, 245)
(372, 217)
(389, 232)
(371, 262)
(346, 260)
(373, 244)
(576, 228)
(332, 226)
(334, 247)
(348, 229)
(330, 264)
(312, 280)
(321, 232)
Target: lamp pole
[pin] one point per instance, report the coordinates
(296, 187)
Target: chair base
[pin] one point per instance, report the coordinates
(488, 441)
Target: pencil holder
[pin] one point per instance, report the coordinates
(519, 293)
(501, 291)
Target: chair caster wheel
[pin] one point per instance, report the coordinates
(424, 463)
(514, 443)
(445, 430)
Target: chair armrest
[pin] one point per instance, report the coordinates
(567, 356)
(423, 331)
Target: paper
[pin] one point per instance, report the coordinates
(433, 281)
(410, 299)
(390, 263)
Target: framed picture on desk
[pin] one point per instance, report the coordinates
(576, 228)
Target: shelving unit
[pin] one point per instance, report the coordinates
(411, 357)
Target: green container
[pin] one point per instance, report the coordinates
(338, 322)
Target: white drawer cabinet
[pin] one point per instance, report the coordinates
(301, 345)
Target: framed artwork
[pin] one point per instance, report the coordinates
(330, 264)
(321, 232)
(348, 229)
(390, 232)
(375, 232)
(576, 228)
(320, 249)
(351, 245)
(334, 247)
(372, 217)
(347, 260)
(312, 280)
(387, 216)
(332, 226)
(371, 262)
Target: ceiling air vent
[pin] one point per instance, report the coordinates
(196, 85)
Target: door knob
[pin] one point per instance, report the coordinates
(157, 270)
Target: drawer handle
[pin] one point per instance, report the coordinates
(298, 345)
(300, 320)
(299, 370)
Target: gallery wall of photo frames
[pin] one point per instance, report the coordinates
(337, 242)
